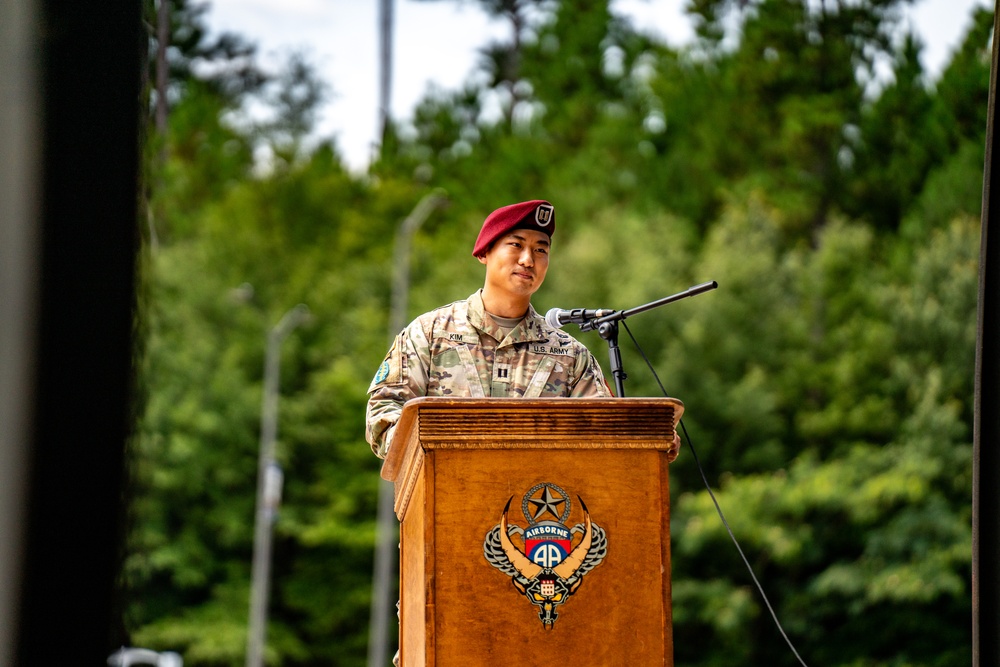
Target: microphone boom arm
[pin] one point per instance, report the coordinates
(607, 327)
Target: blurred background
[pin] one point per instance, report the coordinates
(807, 155)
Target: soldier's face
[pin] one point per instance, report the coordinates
(517, 262)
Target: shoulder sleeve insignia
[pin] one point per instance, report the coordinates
(390, 371)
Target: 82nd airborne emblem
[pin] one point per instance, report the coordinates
(549, 568)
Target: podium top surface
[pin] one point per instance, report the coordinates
(518, 423)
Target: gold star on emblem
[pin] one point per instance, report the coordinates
(547, 503)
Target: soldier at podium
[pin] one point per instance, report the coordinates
(492, 344)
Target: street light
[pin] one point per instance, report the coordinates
(269, 481)
(385, 544)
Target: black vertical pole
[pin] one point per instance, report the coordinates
(90, 66)
(986, 426)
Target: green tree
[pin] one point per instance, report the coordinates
(867, 524)
(195, 459)
(827, 381)
(954, 185)
(889, 169)
(502, 60)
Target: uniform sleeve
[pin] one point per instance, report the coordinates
(590, 382)
(402, 375)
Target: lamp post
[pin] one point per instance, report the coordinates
(269, 480)
(385, 542)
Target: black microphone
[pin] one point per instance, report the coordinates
(557, 317)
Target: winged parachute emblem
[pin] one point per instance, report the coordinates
(549, 569)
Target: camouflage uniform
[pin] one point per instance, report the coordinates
(458, 350)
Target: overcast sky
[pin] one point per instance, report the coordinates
(436, 43)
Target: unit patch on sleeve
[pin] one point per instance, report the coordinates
(390, 371)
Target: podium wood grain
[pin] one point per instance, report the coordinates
(457, 462)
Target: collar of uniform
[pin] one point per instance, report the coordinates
(530, 328)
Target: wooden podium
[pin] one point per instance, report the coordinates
(534, 532)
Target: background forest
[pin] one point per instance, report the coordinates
(796, 153)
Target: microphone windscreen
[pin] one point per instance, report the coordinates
(552, 318)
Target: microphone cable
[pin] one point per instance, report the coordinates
(718, 508)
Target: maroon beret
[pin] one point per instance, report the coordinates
(536, 214)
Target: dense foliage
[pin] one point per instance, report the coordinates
(828, 381)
